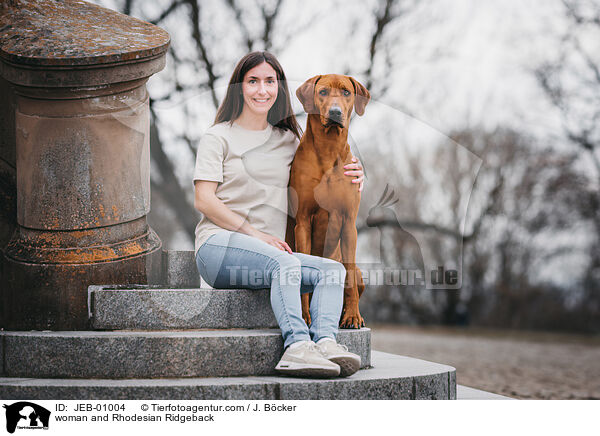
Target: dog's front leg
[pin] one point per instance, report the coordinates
(350, 314)
(302, 237)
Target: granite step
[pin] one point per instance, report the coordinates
(114, 308)
(391, 377)
(468, 393)
(153, 354)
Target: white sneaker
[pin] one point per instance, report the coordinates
(349, 362)
(305, 360)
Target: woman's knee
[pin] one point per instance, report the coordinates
(331, 271)
(288, 269)
(336, 270)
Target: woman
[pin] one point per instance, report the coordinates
(241, 178)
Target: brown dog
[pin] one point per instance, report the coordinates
(324, 201)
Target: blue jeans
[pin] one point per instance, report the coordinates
(231, 260)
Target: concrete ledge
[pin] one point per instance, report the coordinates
(392, 378)
(154, 354)
(143, 308)
(467, 393)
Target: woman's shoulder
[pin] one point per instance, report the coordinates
(221, 129)
(284, 135)
(218, 134)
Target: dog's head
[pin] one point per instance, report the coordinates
(332, 97)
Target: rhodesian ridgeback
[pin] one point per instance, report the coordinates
(324, 201)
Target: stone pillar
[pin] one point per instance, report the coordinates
(75, 114)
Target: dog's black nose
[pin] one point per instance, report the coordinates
(335, 113)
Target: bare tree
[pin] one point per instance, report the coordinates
(541, 201)
(526, 202)
(572, 83)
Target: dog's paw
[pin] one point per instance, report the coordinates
(306, 318)
(352, 321)
(305, 302)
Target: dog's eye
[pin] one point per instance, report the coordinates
(323, 92)
(346, 92)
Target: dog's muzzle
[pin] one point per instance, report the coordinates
(334, 115)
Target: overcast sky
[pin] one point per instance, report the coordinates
(456, 62)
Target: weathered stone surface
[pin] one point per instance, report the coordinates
(53, 296)
(391, 378)
(233, 388)
(180, 269)
(73, 32)
(7, 125)
(91, 155)
(431, 386)
(452, 382)
(8, 171)
(180, 309)
(134, 354)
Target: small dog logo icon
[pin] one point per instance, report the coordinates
(29, 415)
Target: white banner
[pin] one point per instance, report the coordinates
(117, 417)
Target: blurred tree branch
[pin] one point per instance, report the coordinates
(580, 111)
(170, 188)
(203, 52)
(241, 23)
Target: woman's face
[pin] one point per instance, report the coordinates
(260, 89)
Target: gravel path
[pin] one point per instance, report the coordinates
(523, 365)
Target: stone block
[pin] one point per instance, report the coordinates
(391, 378)
(179, 269)
(145, 308)
(151, 354)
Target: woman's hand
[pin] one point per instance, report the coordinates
(272, 240)
(357, 171)
(215, 210)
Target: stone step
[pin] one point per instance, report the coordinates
(467, 393)
(152, 354)
(180, 271)
(392, 377)
(142, 308)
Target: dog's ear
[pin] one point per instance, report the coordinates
(361, 96)
(306, 94)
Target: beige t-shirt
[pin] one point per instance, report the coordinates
(253, 170)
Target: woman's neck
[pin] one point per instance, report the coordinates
(251, 121)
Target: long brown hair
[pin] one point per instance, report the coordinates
(280, 115)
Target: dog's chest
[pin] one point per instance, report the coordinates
(335, 190)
